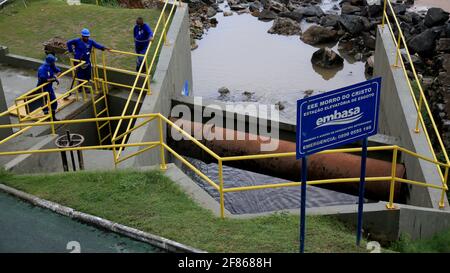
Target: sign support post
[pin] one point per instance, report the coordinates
(362, 182)
(303, 205)
(333, 119)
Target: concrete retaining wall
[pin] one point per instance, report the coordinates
(173, 70)
(398, 118)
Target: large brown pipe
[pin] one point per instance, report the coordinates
(320, 166)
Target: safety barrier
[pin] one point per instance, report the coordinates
(220, 184)
(421, 102)
(38, 94)
(122, 138)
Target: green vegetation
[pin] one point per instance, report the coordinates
(24, 30)
(151, 202)
(439, 243)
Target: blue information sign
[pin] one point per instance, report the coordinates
(337, 117)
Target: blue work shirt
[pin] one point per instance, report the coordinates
(45, 72)
(83, 50)
(142, 35)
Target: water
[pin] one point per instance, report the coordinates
(241, 55)
(256, 201)
(443, 4)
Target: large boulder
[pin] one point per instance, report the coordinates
(349, 9)
(211, 12)
(354, 24)
(267, 15)
(285, 26)
(319, 35)
(443, 45)
(297, 16)
(329, 20)
(435, 17)
(425, 42)
(310, 11)
(326, 58)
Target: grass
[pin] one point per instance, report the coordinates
(151, 202)
(439, 243)
(24, 30)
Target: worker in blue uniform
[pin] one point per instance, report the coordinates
(48, 73)
(82, 49)
(143, 35)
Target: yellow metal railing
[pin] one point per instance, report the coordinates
(421, 102)
(220, 184)
(39, 94)
(162, 20)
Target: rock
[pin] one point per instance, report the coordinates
(255, 6)
(213, 22)
(308, 93)
(318, 35)
(374, 10)
(435, 17)
(424, 42)
(223, 91)
(354, 24)
(55, 45)
(279, 106)
(227, 13)
(242, 11)
(292, 15)
(329, 20)
(238, 7)
(267, 15)
(370, 63)
(399, 9)
(285, 26)
(211, 12)
(277, 6)
(446, 31)
(327, 58)
(310, 11)
(349, 9)
(369, 40)
(248, 95)
(443, 45)
(312, 20)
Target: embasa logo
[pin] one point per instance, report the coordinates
(339, 118)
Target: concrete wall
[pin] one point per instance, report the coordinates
(4, 119)
(173, 69)
(398, 118)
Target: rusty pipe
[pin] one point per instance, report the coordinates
(320, 166)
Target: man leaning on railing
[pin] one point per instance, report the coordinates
(48, 73)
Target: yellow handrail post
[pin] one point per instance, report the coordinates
(49, 108)
(419, 113)
(444, 187)
(384, 14)
(222, 199)
(165, 30)
(390, 205)
(149, 91)
(163, 165)
(105, 79)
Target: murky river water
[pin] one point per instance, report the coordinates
(443, 4)
(241, 55)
